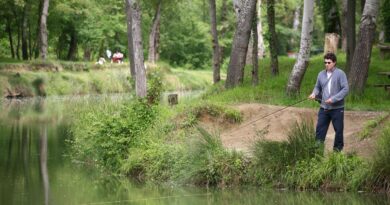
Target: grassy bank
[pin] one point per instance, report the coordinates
(271, 90)
(77, 78)
(160, 144)
(154, 143)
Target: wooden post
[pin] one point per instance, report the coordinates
(173, 99)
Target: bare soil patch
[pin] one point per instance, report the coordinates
(276, 127)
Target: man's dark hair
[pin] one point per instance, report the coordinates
(331, 56)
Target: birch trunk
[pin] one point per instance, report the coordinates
(362, 55)
(138, 54)
(214, 35)
(296, 76)
(296, 22)
(260, 44)
(43, 30)
(235, 73)
(154, 36)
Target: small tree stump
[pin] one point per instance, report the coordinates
(331, 43)
(173, 99)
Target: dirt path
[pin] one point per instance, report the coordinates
(275, 127)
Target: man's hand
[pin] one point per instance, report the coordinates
(312, 96)
(328, 101)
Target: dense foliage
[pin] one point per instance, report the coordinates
(83, 30)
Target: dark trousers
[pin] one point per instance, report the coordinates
(337, 118)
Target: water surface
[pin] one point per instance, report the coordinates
(35, 167)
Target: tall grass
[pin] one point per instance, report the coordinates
(334, 172)
(299, 163)
(207, 162)
(271, 158)
(380, 172)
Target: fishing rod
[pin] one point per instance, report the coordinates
(267, 115)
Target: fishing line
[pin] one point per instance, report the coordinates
(267, 115)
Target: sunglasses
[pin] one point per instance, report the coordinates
(327, 62)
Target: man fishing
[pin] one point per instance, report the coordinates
(330, 90)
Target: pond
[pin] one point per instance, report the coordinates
(35, 167)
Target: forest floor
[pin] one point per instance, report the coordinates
(276, 127)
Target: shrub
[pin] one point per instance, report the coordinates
(104, 138)
(155, 87)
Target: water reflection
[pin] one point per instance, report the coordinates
(43, 162)
(34, 170)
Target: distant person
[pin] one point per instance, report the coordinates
(108, 53)
(330, 90)
(101, 61)
(117, 57)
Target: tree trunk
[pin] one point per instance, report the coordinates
(137, 54)
(130, 39)
(331, 17)
(87, 53)
(350, 33)
(237, 4)
(154, 35)
(255, 58)
(18, 43)
(9, 31)
(37, 44)
(344, 24)
(385, 33)
(260, 45)
(223, 30)
(296, 22)
(72, 44)
(362, 55)
(273, 40)
(43, 30)
(297, 15)
(296, 76)
(43, 162)
(235, 73)
(362, 3)
(18, 26)
(25, 32)
(249, 53)
(29, 40)
(331, 42)
(215, 44)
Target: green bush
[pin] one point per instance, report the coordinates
(155, 87)
(104, 138)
